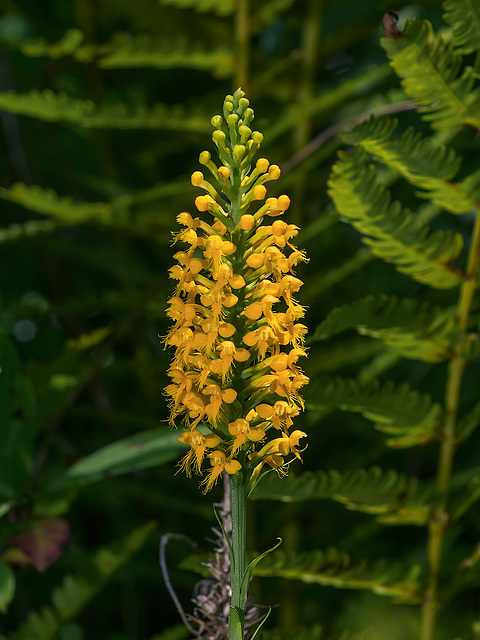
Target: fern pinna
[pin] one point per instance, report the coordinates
(436, 325)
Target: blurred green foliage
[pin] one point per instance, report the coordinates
(105, 107)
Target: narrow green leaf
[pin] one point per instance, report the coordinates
(250, 569)
(144, 450)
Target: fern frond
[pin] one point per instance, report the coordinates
(413, 329)
(418, 160)
(335, 568)
(398, 410)
(220, 7)
(267, 12)
(47, 202)
(394, 233)
(75, 593)
(394, 498)
(468, 423)
(146, 51)
(464, 18)
(70, 42)
(432, 76)
(58, 107)
(178, 632)
(125, 50)
(28, 229)
(310, 633)
(316, 632)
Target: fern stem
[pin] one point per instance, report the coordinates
(440, 517)
(238, 497)
(242, 35)
(311, 48)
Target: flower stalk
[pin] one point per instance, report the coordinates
(238, 497)
(235, 378)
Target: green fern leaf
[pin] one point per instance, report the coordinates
(47, 202)
(431, 74)
(394, 498)
(413, 329)
(395, 409)
(58, 107)
(394, 233)
(469, 423)
(311, 633)
(28, 229)
(267, 12)
(220, 7)
(75, 592)
(146, 51)
(317, 632)
(39, 47)
(335, 568)
(418, 160)
(464, 18)
(178, 632)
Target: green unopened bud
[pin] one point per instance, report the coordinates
(244, 131)
(248, 116)
(205, 157)
(217, 122)
(257, 137)
(228, 105)
(232, 119)
(239, 151)
(242, 105)
(218, 137)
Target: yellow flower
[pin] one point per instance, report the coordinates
(219, 463)
(242, 432)
(198, 444)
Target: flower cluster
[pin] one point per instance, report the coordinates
(236, 326)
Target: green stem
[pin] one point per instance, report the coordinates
(238, 495)
(439, 520)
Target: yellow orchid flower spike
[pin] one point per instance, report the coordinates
(236, 325)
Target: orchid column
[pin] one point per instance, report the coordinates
(236, 328)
